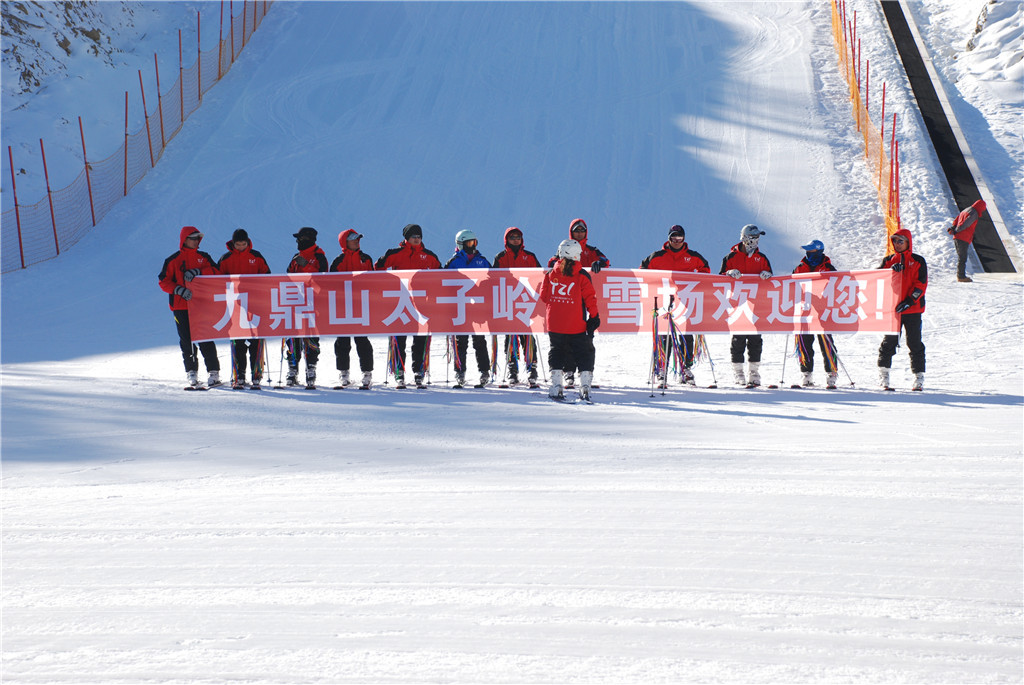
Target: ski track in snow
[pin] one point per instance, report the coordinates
(293, 536)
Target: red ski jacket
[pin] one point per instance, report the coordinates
(676, 260)
(912, 281)
(751, 264)
(518, 258)
(965, 222)
(247, 261)
(405, 256)
(173, 272)
(570, 299)
(351, 261)
(312, 260)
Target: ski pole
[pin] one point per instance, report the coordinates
(785, 354)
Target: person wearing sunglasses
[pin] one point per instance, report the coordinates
(911, 282)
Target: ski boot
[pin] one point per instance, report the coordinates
(214, 379)
(556, 390)
(367, 380)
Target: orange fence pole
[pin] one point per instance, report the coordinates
(220, 41)
(159, 104)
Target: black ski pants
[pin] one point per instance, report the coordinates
(483, 361)
(419, 352)
(296, 346)
(527, 353)
(751, 343)
(911, 324)
(961, 257)
(189, 355)
(687, 349)
(807, 343)
(571, 349)
(254, 348)
(343, 348)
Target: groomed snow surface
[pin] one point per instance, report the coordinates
(700, 535)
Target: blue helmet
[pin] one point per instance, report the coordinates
(813, 246)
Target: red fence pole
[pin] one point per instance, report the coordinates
(220, 41)
(159, 104)
(181, 79)
(149, 137)
(199, 57)
(881, 140)
(49, 196)
(88, 180)
(125, 143)
(17, 211)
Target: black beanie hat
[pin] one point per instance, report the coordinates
(677, 229)
(412, 230)
(240, 234)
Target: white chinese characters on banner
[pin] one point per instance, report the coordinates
(291, 304)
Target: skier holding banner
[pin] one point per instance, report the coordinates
(468, 257)
(745, 259)
(177, 272)
(310, 259)
(352, 258)
(242, 259)
(516, 256)
(816, 261)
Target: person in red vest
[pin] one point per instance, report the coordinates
(241, 258)
(962, 231)
(352, 258)
(177, 272)
(745, 259)
(516, 256)
(911, 283)
(675, 255)
(410, 254)
(571, 317)
(310, 259)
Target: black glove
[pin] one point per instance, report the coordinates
(905, 304)
(183, 292)
(596, 266)
(593, 323)
(301, 261)
(897, 267)
(191, 273)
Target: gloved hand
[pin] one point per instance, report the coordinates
(950, 230)
(191, 273)
(183, 292)
(596, 266)
(592, 325)
(301, 261)
(897, 267)
(733, 273)
(905, 304)
(765, 275)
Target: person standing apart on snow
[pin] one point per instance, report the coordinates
(591, 257)
(571, 318)
(352, 258)
(962, 231)
(178, 271)
(467, 257)
(516, 256)
(911, 282)
(410, 254)
(745, 259)
(675, 255)
(816, 261)
(242, 259)
(310, 259)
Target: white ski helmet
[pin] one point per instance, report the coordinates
(462, 236)
(569, 249)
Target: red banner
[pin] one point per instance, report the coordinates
(505, 301)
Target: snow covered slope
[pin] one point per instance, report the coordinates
(493, 536)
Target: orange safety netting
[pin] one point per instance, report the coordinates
(36, 232)
(884, 167)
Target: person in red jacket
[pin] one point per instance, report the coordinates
(745, 259)
(590, 257)
(410, 254)
(816, 261)
(310, 259)
(178, 271)
(911, 282)
(516, 256)
(962, 231)
(353, 259)
(571, 317)
(242, 259)
(675, 255)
